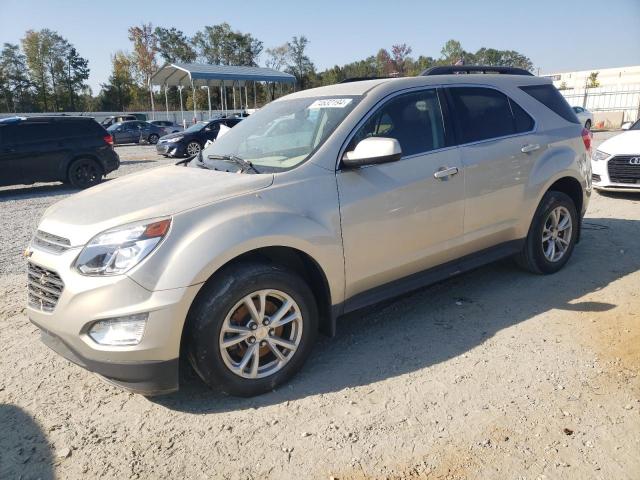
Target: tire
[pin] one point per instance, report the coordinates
(587, 124)
(220, 306)
(534, 256)
(84, 173)
(153, 139)
(193, 148)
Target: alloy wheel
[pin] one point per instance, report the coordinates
(556, 234)
(193, 148)
(261, 334)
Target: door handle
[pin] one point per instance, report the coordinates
(443, 173)
(531, 147)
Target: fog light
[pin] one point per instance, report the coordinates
(119, 331)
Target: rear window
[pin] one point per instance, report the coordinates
(551, 98)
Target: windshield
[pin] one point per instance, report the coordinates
(197, 127)
(285, 133)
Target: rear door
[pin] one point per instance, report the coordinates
(498, 146)
(398, 218)
(48, 150)
(11, 171)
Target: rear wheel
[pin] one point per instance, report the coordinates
(153, 139)
(84, 173)
(193, 148)
(552, 235)
(252, 328)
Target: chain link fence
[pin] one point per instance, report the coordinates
(611, 106)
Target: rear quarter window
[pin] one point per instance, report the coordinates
(551, 98)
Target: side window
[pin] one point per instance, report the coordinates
(414, 119)
(524, 122)
(481, 113)
(551, 98)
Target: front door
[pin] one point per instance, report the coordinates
(400, 218)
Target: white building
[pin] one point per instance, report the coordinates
(607, 77)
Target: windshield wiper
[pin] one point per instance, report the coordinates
(199, 161)
(245, 165)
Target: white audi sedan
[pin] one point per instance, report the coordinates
(616, 163)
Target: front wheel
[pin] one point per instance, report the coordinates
(193, 148)
(552, 235)
(251, 328)
(587, 125)
(153, 139)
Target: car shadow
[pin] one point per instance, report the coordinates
(620, 195)
(36, 190)
(24, 447)
(135, 162)
(440, 322)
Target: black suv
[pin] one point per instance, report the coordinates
(75, 150)
(193, 139)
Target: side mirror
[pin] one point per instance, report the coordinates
(372, 151)
(626, 126)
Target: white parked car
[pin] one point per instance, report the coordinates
(616, 163)
(585, 116)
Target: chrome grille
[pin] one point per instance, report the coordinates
(621, 170)
(44, 287)
(50, 242)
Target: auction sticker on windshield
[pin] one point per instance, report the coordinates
(330, 103)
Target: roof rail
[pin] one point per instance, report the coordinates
(362, 79)
(453, 69)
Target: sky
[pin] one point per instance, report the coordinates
(558, 35)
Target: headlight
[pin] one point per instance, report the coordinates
(119, 331)
(599, 155)
(115, 251)
(174, 139)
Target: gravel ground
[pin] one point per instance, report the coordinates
(492, 374)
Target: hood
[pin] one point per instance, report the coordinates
(627, 143)
(174, 135)
(148, 194)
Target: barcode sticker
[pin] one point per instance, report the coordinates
(330, 103)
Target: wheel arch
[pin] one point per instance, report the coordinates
(64, 174)
(295, 259)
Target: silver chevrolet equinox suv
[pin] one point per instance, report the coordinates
(322, 202)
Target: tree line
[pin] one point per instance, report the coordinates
(46, 72)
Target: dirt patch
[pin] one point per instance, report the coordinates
(478, 377)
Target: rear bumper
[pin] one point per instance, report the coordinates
(143, 377)
(110, 161)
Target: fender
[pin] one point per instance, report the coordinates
(203, 240)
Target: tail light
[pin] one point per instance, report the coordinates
(587, 136)
(108, 139)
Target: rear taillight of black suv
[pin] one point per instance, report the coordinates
(108, 139)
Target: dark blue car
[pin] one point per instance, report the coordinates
(192, 140)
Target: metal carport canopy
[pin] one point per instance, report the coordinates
(176, 74)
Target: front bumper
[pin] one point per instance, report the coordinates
(146, 378)
(149, 367)
(602, 180)
(175, 149)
